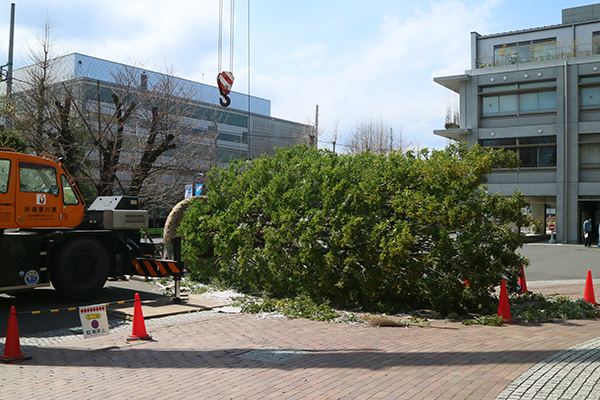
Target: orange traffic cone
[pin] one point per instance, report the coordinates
(522, 282)
(139, 327)
(588, 295)
(12, 347)
(503, 304)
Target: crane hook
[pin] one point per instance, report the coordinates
(227, 101)
(224, 82)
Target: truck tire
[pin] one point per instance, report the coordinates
(81, 268)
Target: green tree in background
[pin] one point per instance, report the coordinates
(10, 139)
(393, 232)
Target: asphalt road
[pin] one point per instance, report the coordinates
(47, 299)
(556, 262)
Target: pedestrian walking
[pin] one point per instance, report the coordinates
(587, 232)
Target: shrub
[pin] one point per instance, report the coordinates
(367, 230)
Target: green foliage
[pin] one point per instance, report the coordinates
(299, 307)
(490, 320)
(539, 308)
(11, 139)
(535, 307)
(368, 230)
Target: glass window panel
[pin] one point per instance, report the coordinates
(508, 103)
(37, 178)
(541, 51)
(596, 42)
(505, 54)
(590, 79)
(499, 88)
(498, 142)
(551, 50)
(69, 196)
(497, 56)
(524, 53)
(528, 157)
(4, 175)
(229, 137)
(537, 84)
(537, 140)
(547, 100)
(590, 96)
(589, 153)
(547, 156)
(490, 105)
(528, 102)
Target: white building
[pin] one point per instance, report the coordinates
(537, 92)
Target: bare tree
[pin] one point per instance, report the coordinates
(375, 136)
(310, 132)
(137, 135)
(42, 109)
(148, 130)
(332, 136)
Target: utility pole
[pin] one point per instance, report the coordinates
(9, 65)
(391, 140)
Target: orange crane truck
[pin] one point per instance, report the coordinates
(49, 237)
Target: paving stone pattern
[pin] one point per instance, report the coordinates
(215, 358)
(570, 374)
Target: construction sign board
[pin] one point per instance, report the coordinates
(94, 321)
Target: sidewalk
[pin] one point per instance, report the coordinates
(242, 357)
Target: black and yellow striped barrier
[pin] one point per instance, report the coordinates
(157, 268)
(55, 310)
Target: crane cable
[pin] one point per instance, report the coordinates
(225, 78)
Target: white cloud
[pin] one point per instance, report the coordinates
(379, 66)
(391, 75)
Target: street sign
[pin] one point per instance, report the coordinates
(189, 190)
(93, 321)
(552, 227)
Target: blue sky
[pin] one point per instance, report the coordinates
(357, 60)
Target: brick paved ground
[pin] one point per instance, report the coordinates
(210, 358)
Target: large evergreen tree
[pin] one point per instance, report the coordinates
(399, 231)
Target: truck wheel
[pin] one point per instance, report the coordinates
(81, 269)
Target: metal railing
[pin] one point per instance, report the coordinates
(537, 52)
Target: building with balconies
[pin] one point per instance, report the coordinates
(537, 92)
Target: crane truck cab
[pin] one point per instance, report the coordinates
(37, 192)
(48, 236)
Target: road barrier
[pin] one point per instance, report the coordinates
(55, 310)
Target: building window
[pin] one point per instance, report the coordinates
(537, 151)
(596, 43)
(534, 152)
(505, 54)
(234, 137)
(590, 91)
(516, 99)
(589, 150)
(524, 52)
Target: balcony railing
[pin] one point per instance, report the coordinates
(536, 52)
